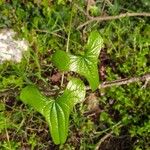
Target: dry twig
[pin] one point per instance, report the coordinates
(145, 77)
(103, 139)
(105, 18)
(108, 135)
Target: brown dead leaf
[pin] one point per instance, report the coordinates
(92, 105)
(56, 77)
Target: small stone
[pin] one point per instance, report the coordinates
(10, 48)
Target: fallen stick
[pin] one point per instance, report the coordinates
(145, 77)
(105, 18)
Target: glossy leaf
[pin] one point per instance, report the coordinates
(85, 64)
(60, 59)
(56, 112)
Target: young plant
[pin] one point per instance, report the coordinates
(85, 64)
(56, 112)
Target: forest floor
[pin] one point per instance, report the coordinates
(116, 117)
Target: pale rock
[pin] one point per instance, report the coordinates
(10, 48)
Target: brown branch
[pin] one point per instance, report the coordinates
(105, 18)
(103, 139)
(108, 135)
(145, 78)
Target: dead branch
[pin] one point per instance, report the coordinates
(103, 139)
(105, 18)
(145, 77)
(108, 135)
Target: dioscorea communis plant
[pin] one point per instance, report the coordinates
(55, 111)
(85, 64)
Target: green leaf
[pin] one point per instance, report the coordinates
(85, 64)
(60, 59)
(56, 112)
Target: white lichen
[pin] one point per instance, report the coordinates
(10, 48)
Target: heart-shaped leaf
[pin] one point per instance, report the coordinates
(56, 112)
(85, 64)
